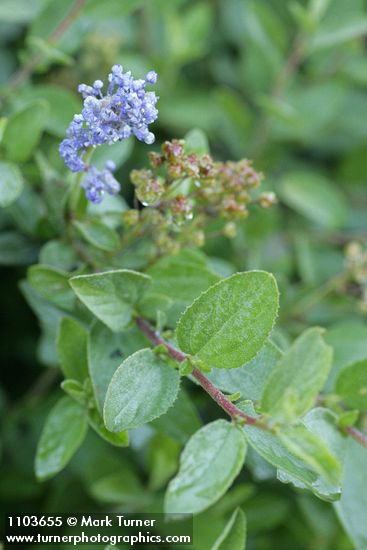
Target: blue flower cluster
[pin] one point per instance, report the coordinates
(126, 109)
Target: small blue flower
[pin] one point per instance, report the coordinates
(126, 109)
(97, 182)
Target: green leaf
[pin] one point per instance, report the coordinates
(63, 433)
(349, 341)
(49, 318)
(251, 378)
(181, 278)
(118, 152)
(62, 103)
(52, 284)
(162, 453)
(118, 488)
(180, 421)
(210, 462)
(118, 439)
(111, 295)
(312, 449)
(352, 506)
(106, 350)
(351, 385)
(74, 389)
(228, 324)
(142, 388)
(196, 141)
(98, 234)
(298, 377)
(23, 131)
(15, 249)
(11, 183)
(58, 254)
(291, 467)
(331, 36)
(315, 197)
(233, 537)
(72, 349)
(21, 11)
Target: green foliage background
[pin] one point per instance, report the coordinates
(281, 82)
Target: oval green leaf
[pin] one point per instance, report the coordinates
(24, 130)
(143, 388)
(111, 295)
(211, 460)
(11, 183)
(63, 433)
(228, 324)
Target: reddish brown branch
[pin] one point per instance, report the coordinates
(360, 437)
(24, 72)
(205, 383)
(214, 392)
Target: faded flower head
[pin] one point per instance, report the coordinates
(185, 190)
(126, 109)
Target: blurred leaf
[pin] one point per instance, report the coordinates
(98, 234)
(49, 317)
(48, 20)
(351, 385)
(229, 323)
(62, 434)
(353, 503)
(72, 349)
(118, 152)
(142, 388)
(58, 254)
(52, 284)
(111, 295)
(163, 453)
(209, 463)
(20, 11)
(331, 36)
(195, 22)
(28, 124)
(318, 8)
(349, 341)
(11, 183)
(15, 249)
(196, 141)
(180, 421)
(115, 8)
(313, 196)
(118, 488)
(233, 537)
(63, 105)
(27, 211)
(293, 386)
